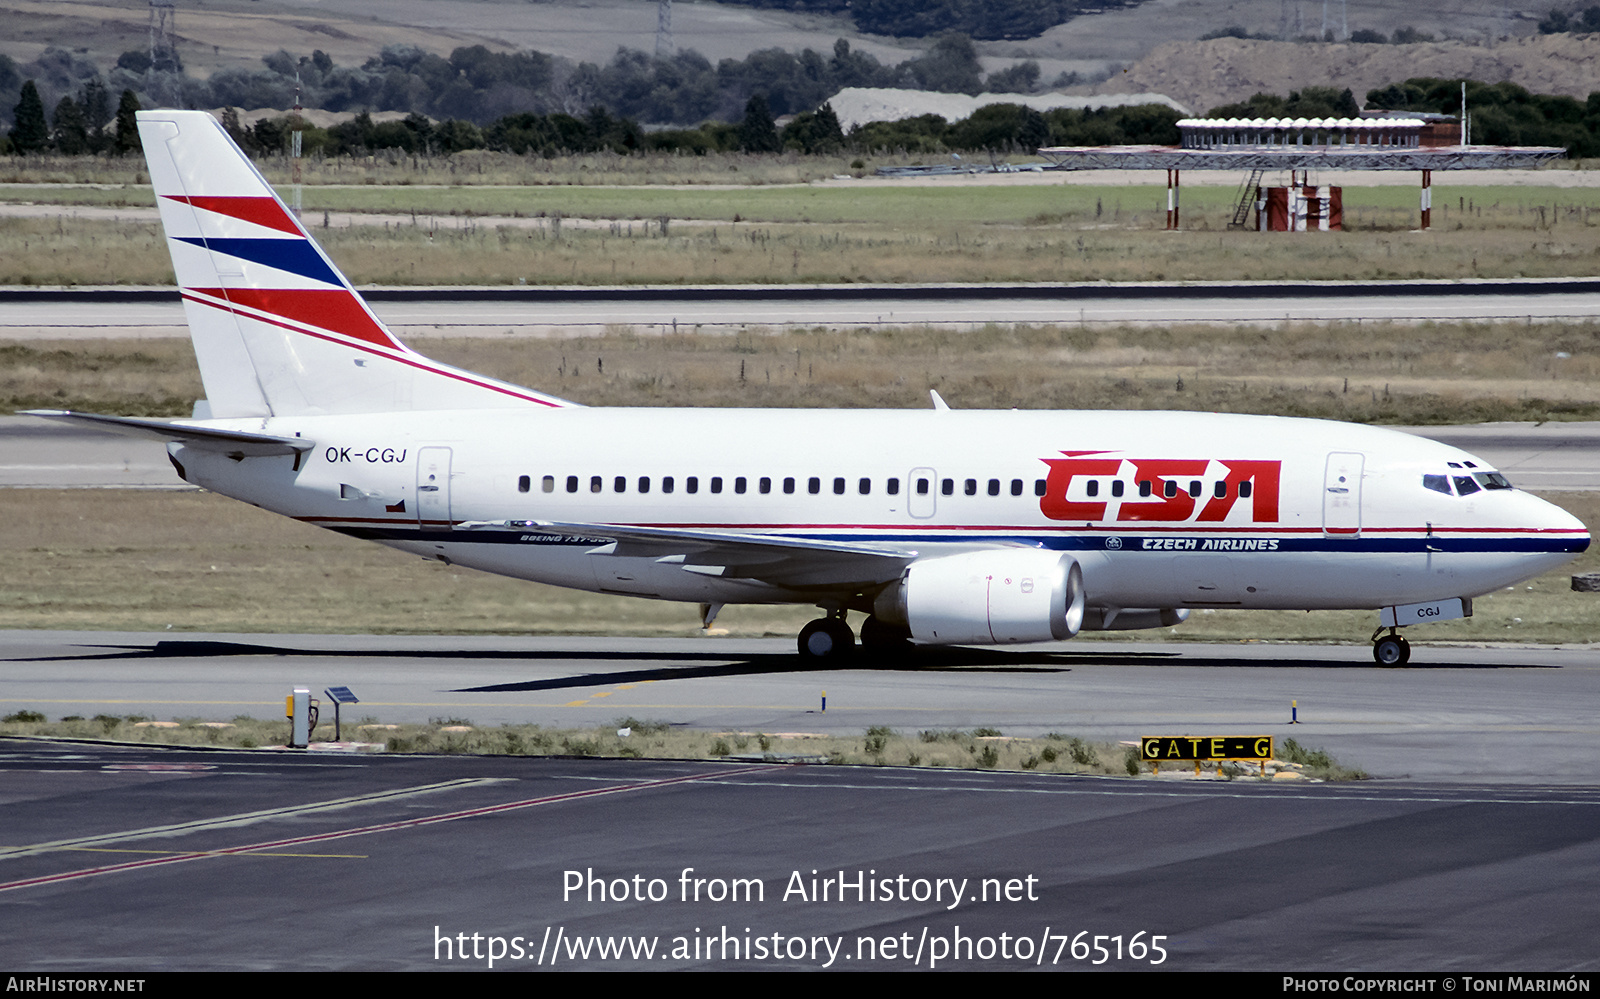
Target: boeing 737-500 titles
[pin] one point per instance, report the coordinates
(941, 526)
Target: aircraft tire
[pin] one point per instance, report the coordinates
(1391, 650)
(826, 638)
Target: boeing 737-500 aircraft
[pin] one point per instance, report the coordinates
(942, 526)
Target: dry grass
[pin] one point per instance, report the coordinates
(892, 234)
(476, 167)
(127, 377)
(982, 749)
(193, 561)
(1369, 372)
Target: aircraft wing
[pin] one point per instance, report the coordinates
(233, 443)
(780, 561)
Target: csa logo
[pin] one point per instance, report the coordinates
(1173, 490)
(1113, 543)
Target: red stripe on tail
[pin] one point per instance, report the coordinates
(262, 211)
(339, 311)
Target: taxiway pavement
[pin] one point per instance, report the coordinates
(590, 311)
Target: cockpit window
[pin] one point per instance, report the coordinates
(1492, 480)
(1438, 483)
(1465, 486)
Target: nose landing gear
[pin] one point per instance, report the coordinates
(1391, 649)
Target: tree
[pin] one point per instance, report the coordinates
(951, 66)
(757, 134)
(128, 125)
(69, 132)
(1021, 78)
(95, 102)
(29, 134)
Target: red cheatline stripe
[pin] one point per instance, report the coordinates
(503, 390)
(259, 210)
(381, 827)
(329, 309)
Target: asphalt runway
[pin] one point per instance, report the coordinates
(123, 860)
(415, 320)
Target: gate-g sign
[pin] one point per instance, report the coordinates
(1158, 749)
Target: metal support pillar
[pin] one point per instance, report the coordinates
(1427, 199)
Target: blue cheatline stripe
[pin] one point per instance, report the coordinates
(1130, 544)
(293, 255)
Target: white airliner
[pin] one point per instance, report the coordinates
(943, 526)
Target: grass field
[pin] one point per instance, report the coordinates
(808, 234)
(194, 561)
(1371, 372)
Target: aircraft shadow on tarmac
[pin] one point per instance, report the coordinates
(711, 663)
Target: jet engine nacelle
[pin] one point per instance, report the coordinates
(987, 598)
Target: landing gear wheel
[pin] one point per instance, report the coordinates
(827, 638)
(875, 634)
(1391, 650)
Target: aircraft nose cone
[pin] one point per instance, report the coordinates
(1554, 521)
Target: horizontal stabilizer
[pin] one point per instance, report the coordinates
(234, 443)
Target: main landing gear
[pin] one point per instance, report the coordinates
(1391, 649)
(831, 638)
(827, 638)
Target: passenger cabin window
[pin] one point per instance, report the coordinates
(667, 484)
(739, 485)
(788, 484)
(893, 487)
(765, 485)
(1245, 488)
(619, 484)
(1016, 487)
(1144, 487)
(572, 483)
(1116, 488)
(1092, 487)
(813, 485)
(644, 483)
(970, 487)
(948, 487)
(994, 487)
(523, 484)
(1038, 487)
(548, 484)
(595, 484)
(865, 486)
(1169, 489)
(1194, 487)
(922, 487)
(691, 485)
(716, 484)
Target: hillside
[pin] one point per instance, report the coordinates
(1203, 75)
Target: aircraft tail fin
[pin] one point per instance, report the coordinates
(277, 329)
